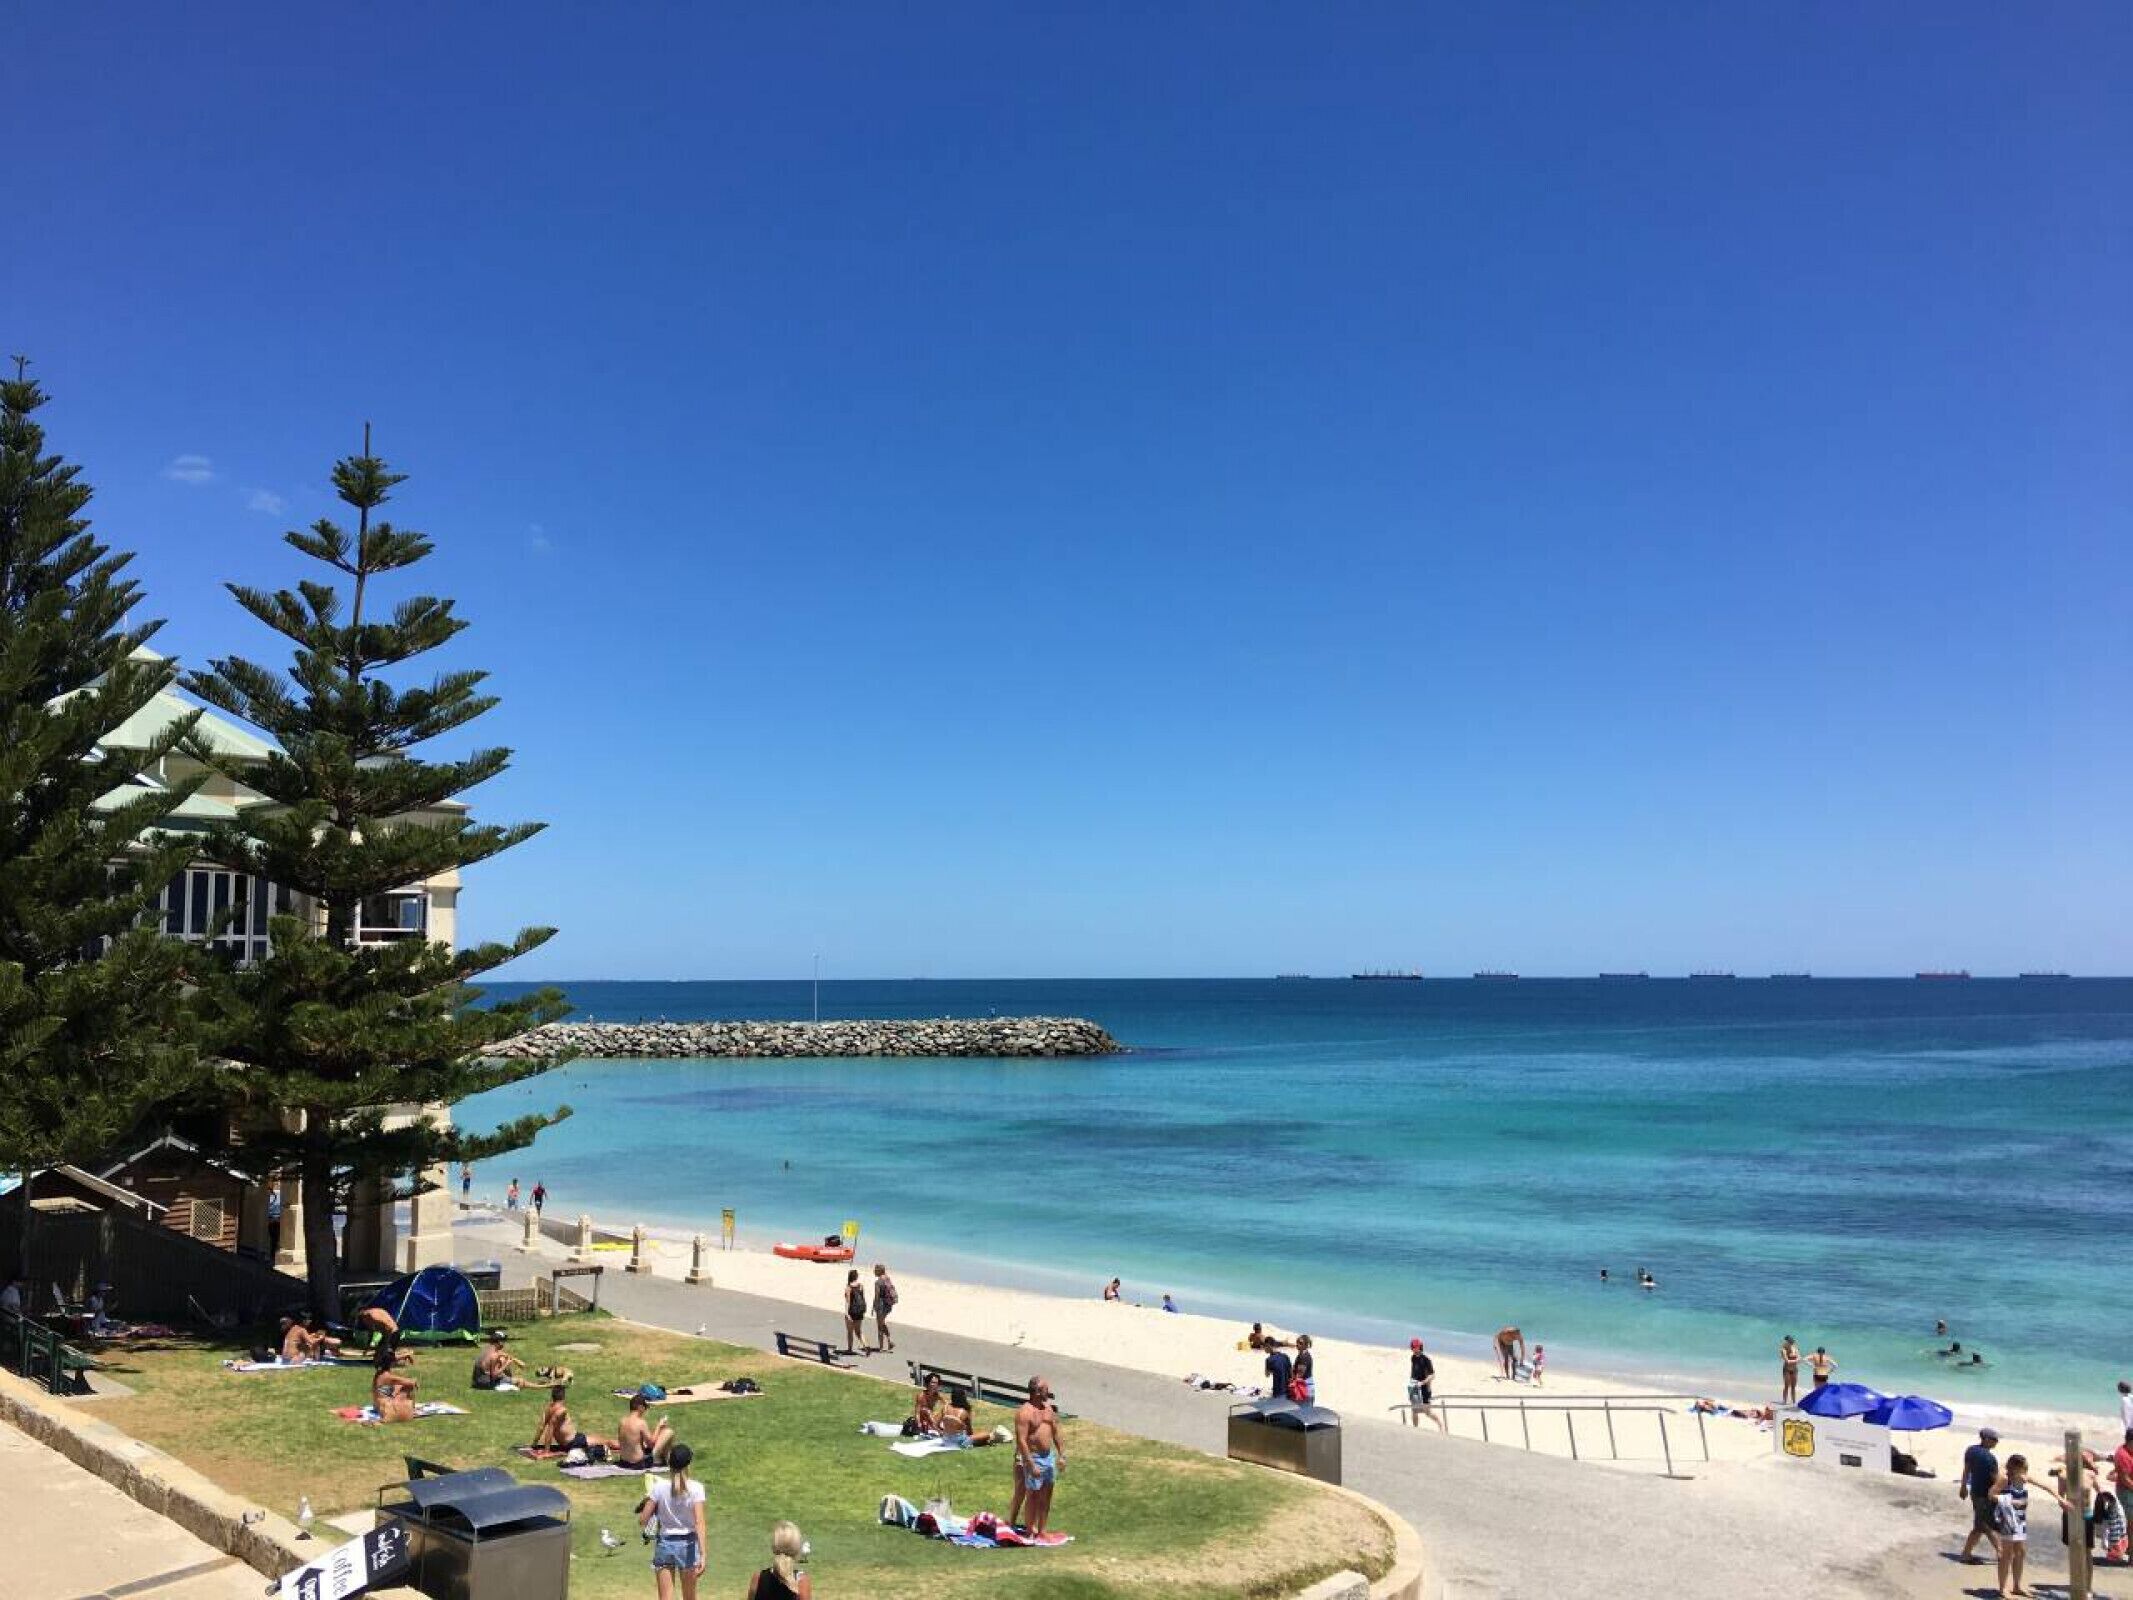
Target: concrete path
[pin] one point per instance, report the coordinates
(1497, 1521)
(68, 1535)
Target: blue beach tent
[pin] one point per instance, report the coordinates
(1842, 1400)
(433, 1306)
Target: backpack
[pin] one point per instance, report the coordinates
(652, 1392)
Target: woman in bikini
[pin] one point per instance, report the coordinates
(392, 1391)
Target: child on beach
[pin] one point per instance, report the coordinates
(1540, 1362)
(2010, 1521)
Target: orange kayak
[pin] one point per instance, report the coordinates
(812, 1252)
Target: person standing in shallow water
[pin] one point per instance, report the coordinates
(1822, 1363)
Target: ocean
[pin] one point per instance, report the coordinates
(1847, 1161)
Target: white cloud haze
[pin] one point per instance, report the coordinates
(190, 469)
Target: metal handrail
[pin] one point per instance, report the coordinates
(1569, 1406)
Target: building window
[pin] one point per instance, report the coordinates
(224, 910)
(403, 915)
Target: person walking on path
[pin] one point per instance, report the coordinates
(1039, 1458)
(1822, 1364)
(855, 1315)
(884, 1303)
(1510, 1350)
(676, 1505)
(540, 1196)
(783, 1579)
(511, 1196)
(2125, 1404)
(1981, 1470)
(1789, 1372)
(466, 1180)
(1421, 1373)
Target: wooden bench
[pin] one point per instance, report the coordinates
(799, 1347)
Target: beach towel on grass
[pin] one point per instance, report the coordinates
(691, 1395)
(930, 1447)
(601, 1469)
(287, 1366)
(369, 1414)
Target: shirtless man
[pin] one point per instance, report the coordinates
(557, 1431)
(295, 1342)
(926, 1409)
(1507, 1341)
(1039, 1453)
(639, 1444)
(494, 1367)
(1789, 1370)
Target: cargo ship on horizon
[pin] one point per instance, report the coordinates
(1710, 975)
(1385, 977)
(1940, 977)
(1623, 977)
(1496, 976)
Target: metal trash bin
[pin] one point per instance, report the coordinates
(1284, 1434)
(482, 1535)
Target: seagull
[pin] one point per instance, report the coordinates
(609, 1542)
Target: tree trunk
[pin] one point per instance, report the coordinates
(322, 1264)
(22, 1270)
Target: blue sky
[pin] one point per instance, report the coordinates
(993, 491)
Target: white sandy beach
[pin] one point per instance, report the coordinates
(1365, 1383)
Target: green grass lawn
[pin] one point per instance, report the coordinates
(1143, 1514)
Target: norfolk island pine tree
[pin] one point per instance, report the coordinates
(94, 1037)
(325, 1036)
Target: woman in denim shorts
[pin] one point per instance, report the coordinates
(674, 1513)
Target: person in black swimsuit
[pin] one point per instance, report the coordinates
(783, 1579)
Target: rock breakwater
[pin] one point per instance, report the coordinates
(945, 1036)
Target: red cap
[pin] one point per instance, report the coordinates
(1414, 1344)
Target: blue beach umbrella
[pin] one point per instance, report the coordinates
(1842, 1400)
(1911, 1413)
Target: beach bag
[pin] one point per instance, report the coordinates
(910, 1428)
(897, 1512)
(652, 1392)
(1299, 1391)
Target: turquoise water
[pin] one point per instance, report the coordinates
(1845, 1161)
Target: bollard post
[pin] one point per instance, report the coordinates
(2077, 1496)
(533, 1227)
(697, 1246)
(637, 1261)
(584, 1251)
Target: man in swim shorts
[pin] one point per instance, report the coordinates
(1039, 1454)
(1508, 1341)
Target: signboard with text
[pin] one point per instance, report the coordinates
(1831, 1441)
(725, 1226)
(375, 1560)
